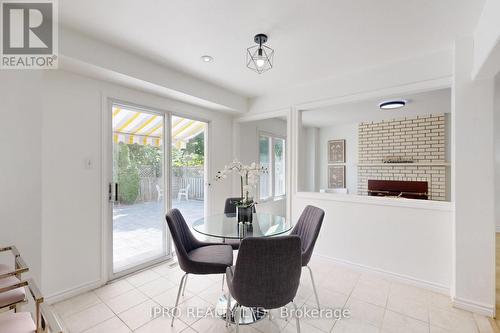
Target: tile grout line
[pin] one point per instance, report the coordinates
(149, 299)
(88, 328)
(347, 300)
(85, 308)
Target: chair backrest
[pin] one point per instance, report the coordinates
(267, 271)
(183, 238)
(230, 206)
(307, 228)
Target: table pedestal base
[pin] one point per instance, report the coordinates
(248, 315)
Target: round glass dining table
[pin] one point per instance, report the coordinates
(225, 226)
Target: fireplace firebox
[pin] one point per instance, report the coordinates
(398, 188)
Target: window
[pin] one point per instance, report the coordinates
(272, 157)
(279, 167)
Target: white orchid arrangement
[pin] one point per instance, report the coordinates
(249, 176)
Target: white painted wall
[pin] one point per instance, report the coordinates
(416, 73)
(487, 41)
(90, 57)
(473, 178)
(348, 132)
(410, 243)
(20, 165)
(53, 210)
(248, 152)
(310, 151)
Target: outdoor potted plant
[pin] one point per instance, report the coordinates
(249, 175)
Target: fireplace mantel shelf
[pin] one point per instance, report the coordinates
(406, 164)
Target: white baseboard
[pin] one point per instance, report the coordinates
(432, 286)
(472, 306)
(72, 292)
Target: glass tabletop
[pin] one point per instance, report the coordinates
(226, 226)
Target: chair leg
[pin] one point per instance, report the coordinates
(297, 322)
(228, 310)
(314, 286)
(184, 277)
(185, 282)
(237, 316)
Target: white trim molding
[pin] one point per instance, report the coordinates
(472, 306)
(72, 292)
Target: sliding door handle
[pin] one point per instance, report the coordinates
(116, 192)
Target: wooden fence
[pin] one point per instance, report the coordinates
(196, 190)
(181, 177)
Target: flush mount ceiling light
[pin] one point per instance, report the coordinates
(391, 105)
(207, 58)
(260, 57)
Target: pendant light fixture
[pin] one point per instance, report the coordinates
(260, 57)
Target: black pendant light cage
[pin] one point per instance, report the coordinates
(260, 57)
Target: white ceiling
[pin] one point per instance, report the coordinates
(314, 39)
(432, 102)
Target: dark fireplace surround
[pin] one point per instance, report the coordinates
(398, 188)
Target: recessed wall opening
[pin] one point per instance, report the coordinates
(359, 149)
(265, 142)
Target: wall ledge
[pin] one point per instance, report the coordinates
(378, 201)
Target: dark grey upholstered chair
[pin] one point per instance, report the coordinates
(230, 205)
(195, 257)
(307, 228)
(266, 274)
(230, 208)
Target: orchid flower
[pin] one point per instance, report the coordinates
(249, 175)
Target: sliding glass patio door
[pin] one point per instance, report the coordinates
(137, 192)
(188, 138)
(158, 162)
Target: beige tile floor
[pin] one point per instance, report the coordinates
(376, 305)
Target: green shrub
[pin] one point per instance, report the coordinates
(128, 177)
(128, 185)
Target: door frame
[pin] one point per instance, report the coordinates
(107, 273)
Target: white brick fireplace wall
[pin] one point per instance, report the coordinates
(420, 139)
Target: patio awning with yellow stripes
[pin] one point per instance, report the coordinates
(131, 126)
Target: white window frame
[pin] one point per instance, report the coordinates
(273, 137)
